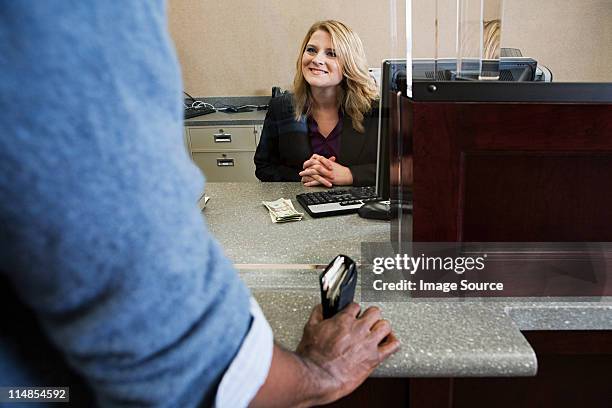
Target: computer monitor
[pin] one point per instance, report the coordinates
(393, 81)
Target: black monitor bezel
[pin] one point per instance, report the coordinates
(383, 188)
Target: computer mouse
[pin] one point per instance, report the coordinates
(377, 210)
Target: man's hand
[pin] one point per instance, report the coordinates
(346, 348)
(333, 358)
(319, 170)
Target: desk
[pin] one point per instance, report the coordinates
(242, 225)
(450, 338)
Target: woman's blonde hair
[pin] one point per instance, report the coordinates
(492, 37)
(358, 89)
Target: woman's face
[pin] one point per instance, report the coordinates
(320, 65)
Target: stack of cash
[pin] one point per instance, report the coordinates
(333, 278)
(282, 210)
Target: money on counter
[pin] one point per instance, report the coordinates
(282, 210)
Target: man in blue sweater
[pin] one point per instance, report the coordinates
(109, 281)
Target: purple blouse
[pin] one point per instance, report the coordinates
(325, 146)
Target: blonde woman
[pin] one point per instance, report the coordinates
(325, 133)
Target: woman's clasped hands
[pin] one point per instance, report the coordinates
(321, 171)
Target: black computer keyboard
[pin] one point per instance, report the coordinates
(193, 112)
(336, 202)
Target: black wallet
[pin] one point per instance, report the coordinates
(345, 291)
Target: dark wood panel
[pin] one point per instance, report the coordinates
(570, 342)
(535, 196)
(473, 160)
(377, 392)
(431, 392)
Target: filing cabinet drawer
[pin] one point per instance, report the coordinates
(258, 129)
(222, 138)
(226, 166)
(186, 141)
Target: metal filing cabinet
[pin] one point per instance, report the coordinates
(224, 153)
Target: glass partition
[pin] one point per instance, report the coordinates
(570, 41)
(507, 116)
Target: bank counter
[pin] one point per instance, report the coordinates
(518, 352)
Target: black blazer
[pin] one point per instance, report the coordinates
(284, 145)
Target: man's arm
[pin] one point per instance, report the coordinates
(333, 358)
(100, 233)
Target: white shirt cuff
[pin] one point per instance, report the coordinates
(249, 369)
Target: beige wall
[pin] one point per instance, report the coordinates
(238, 47)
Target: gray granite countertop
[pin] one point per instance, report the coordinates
(222, 118)
(467, 337)
(241, 223)
(440, 338)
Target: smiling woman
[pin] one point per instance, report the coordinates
(325, 133)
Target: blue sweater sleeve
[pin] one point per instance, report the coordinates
(100, 235)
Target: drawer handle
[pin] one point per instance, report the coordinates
(225, 162)
(223, 137)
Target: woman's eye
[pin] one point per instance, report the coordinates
(331, 54)
(311, 50)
